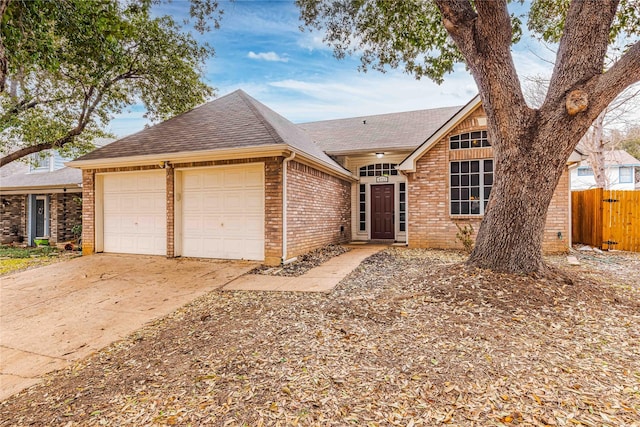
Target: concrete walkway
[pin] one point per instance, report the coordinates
(319, 279)
(55, 315)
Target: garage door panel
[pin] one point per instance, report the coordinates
(255, 177)
(149, 182)
(234, 203)
(229, 220)
(213, 203)
(254, 202)
(254, 224)
(212, 179)
(234, 178)
(134, 212)
(191, 181)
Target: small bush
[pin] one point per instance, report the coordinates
(465, 236)
(13, 252)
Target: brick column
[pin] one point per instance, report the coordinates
(88, 211)
(170, 212)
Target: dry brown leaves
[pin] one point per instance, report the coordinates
(302, 263)
(410, 338)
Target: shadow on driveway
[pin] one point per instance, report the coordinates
(57, 314)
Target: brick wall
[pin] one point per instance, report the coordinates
(13, 218)
(558, 218)
(430, 224)
(66, 212)
(318, 209)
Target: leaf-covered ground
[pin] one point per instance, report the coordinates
(411, 337)
(14, 259)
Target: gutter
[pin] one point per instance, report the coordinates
(284, 208)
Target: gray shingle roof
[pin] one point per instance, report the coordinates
(64, 177)
(233, 121)
(379, 132)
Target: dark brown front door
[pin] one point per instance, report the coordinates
(382, 212)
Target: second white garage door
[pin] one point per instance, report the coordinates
(223, 212)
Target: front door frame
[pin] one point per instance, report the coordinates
(389, 230)
(33, 216)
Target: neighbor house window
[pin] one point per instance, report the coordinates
(363, 207)
(476, 139)
(40, 162)
(471, 182)
(402, 195)
(585, 172)
(379, 169)
(626, 175)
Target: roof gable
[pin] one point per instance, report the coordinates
(409, 164)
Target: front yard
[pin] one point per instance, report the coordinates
(411, 337)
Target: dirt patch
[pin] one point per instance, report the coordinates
(411, 337)
(304, 262)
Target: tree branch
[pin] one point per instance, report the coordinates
(616, 79)
(4, 65)
(575, 65)
(485, 40)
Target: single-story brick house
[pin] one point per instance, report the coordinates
(40, 199)
(233, 179)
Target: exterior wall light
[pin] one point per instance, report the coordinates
(379, 155)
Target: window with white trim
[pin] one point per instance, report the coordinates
(40, 162)
(585, 171)
(477, 139)
(379, 169)
(625, 175)
(402, 195)
(470, 186)
(363, 207)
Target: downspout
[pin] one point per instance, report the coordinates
(284, 209)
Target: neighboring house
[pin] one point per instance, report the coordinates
(40, 199)
(234, 179)
(621, 169)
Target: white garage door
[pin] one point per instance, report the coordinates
(135, 213)
(223, 212)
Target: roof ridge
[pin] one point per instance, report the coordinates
(458, 107)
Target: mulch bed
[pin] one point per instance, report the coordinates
(411, 337)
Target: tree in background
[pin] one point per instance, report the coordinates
(531, 145)
(629, 141)
(67, 66)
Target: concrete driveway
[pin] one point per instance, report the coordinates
(54, 315)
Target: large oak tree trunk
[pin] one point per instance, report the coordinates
(511, 235)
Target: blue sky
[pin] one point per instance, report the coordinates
(260, 49)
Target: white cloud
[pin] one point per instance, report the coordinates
(353, 94)
(267, 56)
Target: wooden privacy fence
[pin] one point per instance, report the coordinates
(607, 219)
